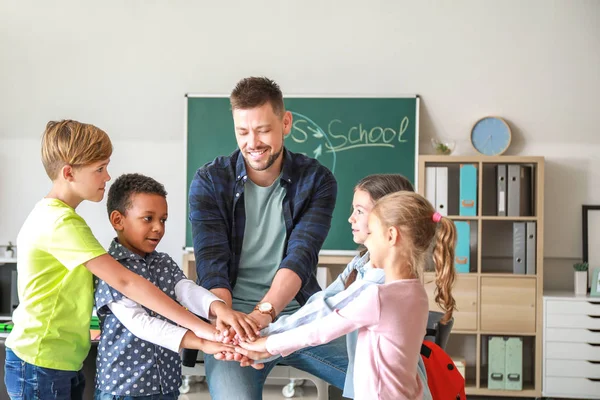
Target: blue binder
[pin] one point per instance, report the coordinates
(462, 254)
(468, 190)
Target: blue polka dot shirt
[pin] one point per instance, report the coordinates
(127, 365)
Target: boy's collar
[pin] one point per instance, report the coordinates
(120, 252)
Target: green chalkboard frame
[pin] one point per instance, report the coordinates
(343, 114)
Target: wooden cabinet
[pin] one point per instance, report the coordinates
(508, 305)
(465, 294)
(497, 293)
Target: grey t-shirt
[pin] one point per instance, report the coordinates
(262, 247)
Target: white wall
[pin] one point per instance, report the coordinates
(125, 66)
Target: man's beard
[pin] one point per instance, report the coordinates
(270, 161)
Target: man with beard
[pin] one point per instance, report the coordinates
(259, 218)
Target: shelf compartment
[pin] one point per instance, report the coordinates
(443, 189)
(464, 347)
(528, 365)
(465, 293)
(508, 305)
(509, 247)
(518, 181)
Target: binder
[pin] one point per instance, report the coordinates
(519, 190)
(501, 189)
(462, 253)
(430, 183)
(496, 363)
(530, 248)
(514, 364)
(453, 189)
(519, 243)
(468, 190)
(441, 190)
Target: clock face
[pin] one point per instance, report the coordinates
(491, 136)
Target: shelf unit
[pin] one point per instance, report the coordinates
(491, 300)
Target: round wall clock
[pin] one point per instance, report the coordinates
(491, 136)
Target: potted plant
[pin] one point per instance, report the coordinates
(581, 275)
(443, 147)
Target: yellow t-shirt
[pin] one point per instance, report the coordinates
(52, 322)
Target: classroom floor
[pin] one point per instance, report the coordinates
(199, 391)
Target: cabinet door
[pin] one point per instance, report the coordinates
(465, 294)
(508, 304)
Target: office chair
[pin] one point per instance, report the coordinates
(436, 331)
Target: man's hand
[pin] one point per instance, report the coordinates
(244, 325)
(256, 350)
(263, 320)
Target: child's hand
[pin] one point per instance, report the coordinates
(244, 326)
(191, 341)
(243, 360)
(215, 348)
(256, 350)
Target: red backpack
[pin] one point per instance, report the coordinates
(443, 378)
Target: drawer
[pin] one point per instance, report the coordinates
(572, 351)
(572, 369)
(508, 304)
(572, 321)
(571, 387)
(465, 294)
(571, 335)
(573, 307)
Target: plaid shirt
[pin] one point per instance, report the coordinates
(218, 218)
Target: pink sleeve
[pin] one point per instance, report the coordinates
(363, 311)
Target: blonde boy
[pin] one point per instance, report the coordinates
(57, 256)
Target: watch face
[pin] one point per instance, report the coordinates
(265, 307)
(491, 136)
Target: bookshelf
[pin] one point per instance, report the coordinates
(492, 300)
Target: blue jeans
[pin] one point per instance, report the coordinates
(26, 381)
(98, 395)
(227, 380)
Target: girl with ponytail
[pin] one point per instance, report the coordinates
(391, 318)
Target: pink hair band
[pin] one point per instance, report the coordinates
(437, 217)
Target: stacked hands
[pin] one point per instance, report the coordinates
(235, 336)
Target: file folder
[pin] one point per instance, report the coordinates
(519, 188)
(530, 248)
(441, 190)
(514, 364)
(519, 251)
(462, 254)
(453, 189)
(468, 190)
(496, 363)
(430, 183)
(501, 189)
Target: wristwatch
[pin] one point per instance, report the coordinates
(266, 308)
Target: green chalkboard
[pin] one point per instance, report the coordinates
(352, 136)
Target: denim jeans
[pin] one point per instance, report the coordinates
(227, 380)
(25, 381)
(98, 395)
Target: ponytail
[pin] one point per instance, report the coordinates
(443, 259)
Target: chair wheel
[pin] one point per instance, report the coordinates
(288, 391)
(185, 388)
